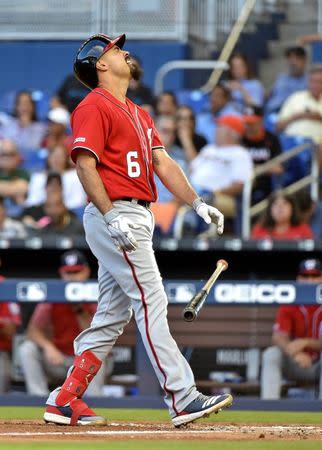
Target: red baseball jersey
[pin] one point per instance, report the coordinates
(9, 313)
(303, 321)
(61, 321)
(122, 138)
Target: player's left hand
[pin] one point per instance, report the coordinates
(209, 214)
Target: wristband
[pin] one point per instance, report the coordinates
(111, 215)
(197, 202)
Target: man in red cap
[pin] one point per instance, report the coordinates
(296, 339)
(48, 351)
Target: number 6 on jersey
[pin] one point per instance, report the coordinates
(133, 167)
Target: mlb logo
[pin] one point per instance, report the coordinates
(180, 292)
(31, 291)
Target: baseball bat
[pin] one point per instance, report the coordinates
(191, 310)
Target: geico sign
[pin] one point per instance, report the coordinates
(77, 292)
(255, 293)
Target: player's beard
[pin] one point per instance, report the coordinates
(136, 71)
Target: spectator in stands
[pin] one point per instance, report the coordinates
(10, 228)
(220, 104)
(167, 128)
(220, 170)
(13, 180)
(262, 146)
(10, 319)
(48, 351)
(245, 89)
(59, 220)
(138, 92)
(281, 220)
(296, 339)
(167, 205)
(166, 104)
(26, 131)
(69, 94)
(34, 216)
(310, 212)
(293, 80)
(187, 138)
(58, 129)
(58, 161)
(301, 113)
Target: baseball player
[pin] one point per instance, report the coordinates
(296, 339)
(117, 150)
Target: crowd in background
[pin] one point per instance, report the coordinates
(218, 143)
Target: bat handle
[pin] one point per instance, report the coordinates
(191, 310)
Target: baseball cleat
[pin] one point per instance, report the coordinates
(75, 413)
(202, 406)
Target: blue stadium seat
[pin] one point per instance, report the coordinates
(270, 121)
(34, 160)
(7, 101)
(299, 166)
(79, 212)
(196, 99)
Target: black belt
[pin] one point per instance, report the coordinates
(144, 203)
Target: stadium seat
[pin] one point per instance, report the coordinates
(34, 160)
(299, 166)
(164, 214)
(196, 99)
(270, 121)
(79, 212)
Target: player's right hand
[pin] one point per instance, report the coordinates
(119, 228)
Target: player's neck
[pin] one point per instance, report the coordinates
(117, 89)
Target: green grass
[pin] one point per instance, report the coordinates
(165, 445)
(159, 415)
(133, 415)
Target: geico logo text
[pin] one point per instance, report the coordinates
(255, 293)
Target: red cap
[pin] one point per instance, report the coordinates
(234, 122)
(252, 119)
(253, 114)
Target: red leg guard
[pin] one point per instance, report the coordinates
(85, 368)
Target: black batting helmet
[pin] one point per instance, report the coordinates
(88, 54)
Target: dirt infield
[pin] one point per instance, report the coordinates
(19, 430)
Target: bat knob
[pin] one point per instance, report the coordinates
(189, 314)
(223, 263)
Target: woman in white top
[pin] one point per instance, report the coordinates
(58, 161)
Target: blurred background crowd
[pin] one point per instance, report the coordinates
(240, 125)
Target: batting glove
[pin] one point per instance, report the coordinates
(119, 228)
(209, 214)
